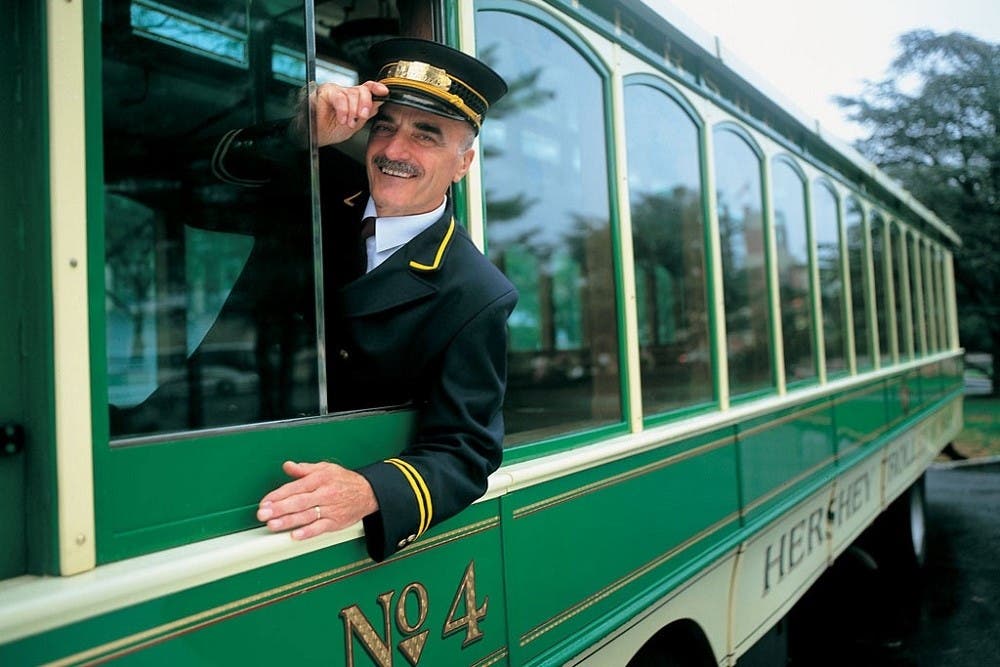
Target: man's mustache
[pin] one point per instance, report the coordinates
(396, 166)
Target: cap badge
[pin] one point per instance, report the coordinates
(414, 70)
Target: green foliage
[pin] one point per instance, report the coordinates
(935, 127)
(980, 435)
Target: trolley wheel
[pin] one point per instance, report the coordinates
(901, 533)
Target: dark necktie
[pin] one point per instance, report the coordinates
(367, 231)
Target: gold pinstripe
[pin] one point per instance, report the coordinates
(420, 490)
(440, 251)
(492, 658)
(163, 632)
(622, 477)
(615, 586)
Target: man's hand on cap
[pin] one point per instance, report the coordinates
(342, 111)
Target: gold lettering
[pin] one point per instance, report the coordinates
(356, 625)
(467, 593)
(420, 591)
(412, 647)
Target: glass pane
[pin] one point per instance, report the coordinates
(792, 244)
(904, 323)
(917, 300)
(210, 304)
(943, 336)
(826, 227)
(879, 278)
(669, 247)
(548, 228)
(859, 283)
(744, 269)
(930, 299)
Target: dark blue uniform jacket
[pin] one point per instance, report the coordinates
(426, 327)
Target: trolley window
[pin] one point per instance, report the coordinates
(791, 240)
(930, 288)
(917, 297)
(857, 264)
(210, 300)
(668, 237)
(213, 303)
(744, 265)
(549, 229)
(882, 287)
(826, 225)
(904, 319)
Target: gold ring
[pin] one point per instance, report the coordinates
(319, 514)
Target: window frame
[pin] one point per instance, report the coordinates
(159, 491)
(807, 213)
(557, 23)
(674, 95)
(773, 388)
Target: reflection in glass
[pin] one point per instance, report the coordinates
(792, 246)
(744, 268)
(917, 296)
(930, 299)
(664, 176)
(938, 258)
(210, 302)
(859, 282)
(826, 227)
(904, 322)
(548, 228)
(879, 278)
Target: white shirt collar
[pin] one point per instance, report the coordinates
(393, 232)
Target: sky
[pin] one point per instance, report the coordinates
(811, 50)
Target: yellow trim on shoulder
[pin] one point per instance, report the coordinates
(420, 490)
(440, 251)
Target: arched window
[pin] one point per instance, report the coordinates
(881, 282)
(944, 342)
(857, 262)
(930, 299)
(900, 281)
(744, 265)
(548, 227)
(792, 245)
(917, 295)
(826, 228)
(668, 237)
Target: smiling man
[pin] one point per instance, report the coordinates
(415, 313)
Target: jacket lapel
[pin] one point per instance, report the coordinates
(403, 277)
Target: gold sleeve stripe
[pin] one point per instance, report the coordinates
(424, 490)
(416, 491)
(420, 490)
(440, 251)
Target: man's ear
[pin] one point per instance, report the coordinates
(467, 158)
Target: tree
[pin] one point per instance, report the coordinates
(935, 127)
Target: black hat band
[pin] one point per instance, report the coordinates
(437, 83)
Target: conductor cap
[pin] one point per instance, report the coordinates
(437, 78)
